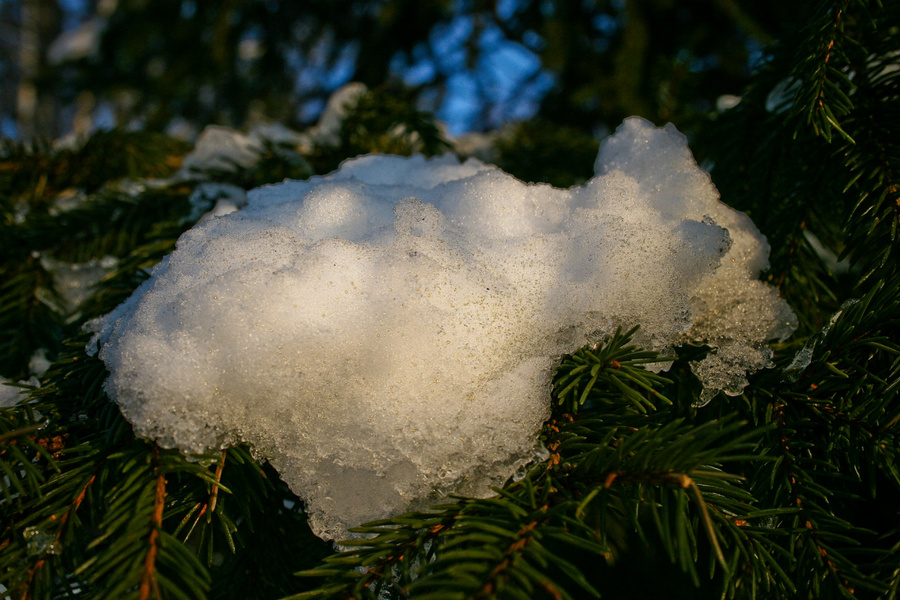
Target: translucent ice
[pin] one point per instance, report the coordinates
(387, 333)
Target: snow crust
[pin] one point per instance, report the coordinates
(221, 148)
(386, 334)
(75, 281)
(9, 394)
(12, 393)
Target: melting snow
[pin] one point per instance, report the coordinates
(386, 334)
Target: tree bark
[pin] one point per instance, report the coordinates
(36, 112)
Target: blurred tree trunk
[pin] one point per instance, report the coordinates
(36, 112)
(629, 72)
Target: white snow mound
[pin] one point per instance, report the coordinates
(386, 334)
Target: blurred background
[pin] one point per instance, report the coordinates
(174, 66)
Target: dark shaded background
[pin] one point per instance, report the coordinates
(177, 65)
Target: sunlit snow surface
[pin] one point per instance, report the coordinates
(387, 333)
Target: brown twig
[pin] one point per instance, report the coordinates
(148, 577)
(215, 490)
(523, 536)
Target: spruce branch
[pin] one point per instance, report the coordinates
(42, 526)
(785, 507)
(844, 88)
(29, 316)
(614, 367)
(37, 568)
(133, 557)
(826, 201)
(874, 178)
(380, 121)
(832, 443)
(20, 453)
(148, 576)
(59, 205)
(618, 464)
(822, 98)
(36, 171)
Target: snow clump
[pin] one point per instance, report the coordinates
(386, 334)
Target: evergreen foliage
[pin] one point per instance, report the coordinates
(790, 490)
(384, 118)
(541, 151)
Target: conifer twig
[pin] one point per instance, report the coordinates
(35, 569)
(215, 488)
(21, 432)
(148, 577)
(687, 482)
